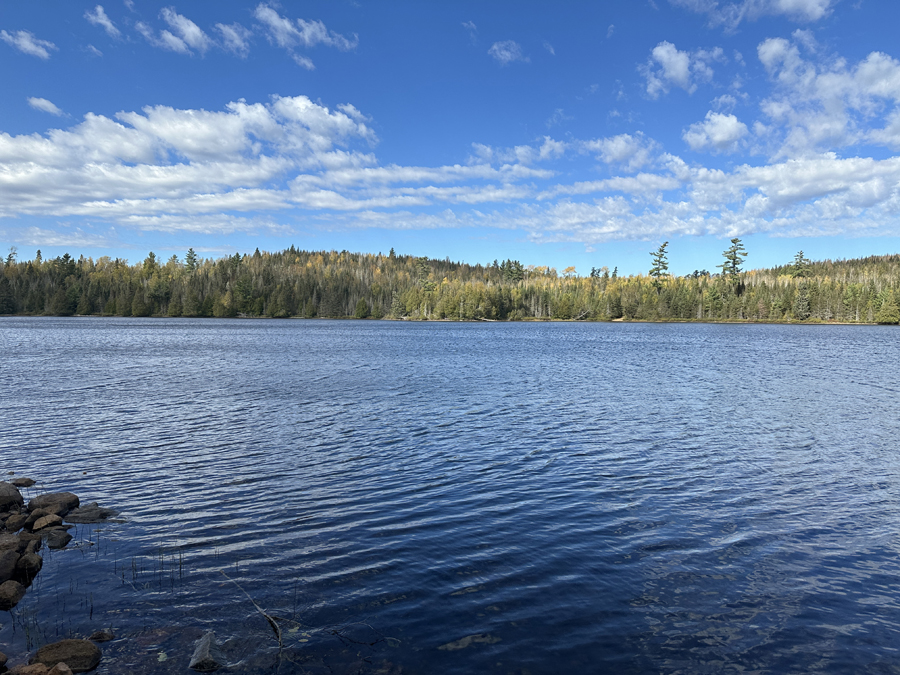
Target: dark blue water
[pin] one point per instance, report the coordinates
(457, 498)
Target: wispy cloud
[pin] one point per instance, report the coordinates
(27, 43)
(235, 38)
(291, 34)
(46, 106)
(507, 51)
(472, 29)
(98, 17)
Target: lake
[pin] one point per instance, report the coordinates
(461, 497)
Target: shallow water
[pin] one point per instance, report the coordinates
(456, 498)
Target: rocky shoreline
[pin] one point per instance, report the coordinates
(24, 530)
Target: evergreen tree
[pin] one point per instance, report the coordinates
(800, 266)
(889, 313)
(660, 266)
(734, 258)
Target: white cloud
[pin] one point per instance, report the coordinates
(188, 32)
(719, 132)
(549, 48)
(235, 38)
(46, 106)
(289, 34)
(27, 43)
(506, 52)
(625, 151)
(731, 14)
(821, 103)
(98, 17)
(166, 40)
(610, 31)
(558, 117)
(668, 66)
(472, 29)
(93, 51)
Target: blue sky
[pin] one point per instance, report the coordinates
(564, 134)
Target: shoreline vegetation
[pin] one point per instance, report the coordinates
(331, 284)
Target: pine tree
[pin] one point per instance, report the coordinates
(660, 266)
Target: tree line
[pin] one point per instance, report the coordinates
(338, 284)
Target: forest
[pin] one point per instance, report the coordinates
(340, 284)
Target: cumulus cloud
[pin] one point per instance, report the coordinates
(625, 151)
(506, 52)
(719, 132)
(668, 66)
(44, 105)
(731, 14)
(97, 16)
(820, 103)
(27, 43)
(291, 34)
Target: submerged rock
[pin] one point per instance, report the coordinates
(91, 513)
(207, 656)
(80, 655)
(10, 594)
(101, 636)
(22, 482)
(58, 539)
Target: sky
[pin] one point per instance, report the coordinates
(580, 134)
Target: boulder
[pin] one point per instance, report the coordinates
(101, 636)
(36, 669)
(60, 669)
(54, 501)
(46, 521)
(10, 497)
(91, 513)
(15, 523)
(22, 482)
(27, 568)
(35, 516)
(80, 655)
(33, 545)
(58, 539)
(10, 594)
(9, 542)
(8, 560)
(3, 659)
(207, 656)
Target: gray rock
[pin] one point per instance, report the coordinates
(92, 513)
(3, 659)
(54, 501)
(46, 521)
(101, 636)
(10, 594)
(80, 655)
(36, 669)
(27, 568)
(34, 545)
(10, 497)
(22, 482)
(16, 522)
(35, 516)
(58, 539)
(207, 656)
(60, 669)
(8, 560)
(9, 541)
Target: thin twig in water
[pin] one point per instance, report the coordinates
(272, 622)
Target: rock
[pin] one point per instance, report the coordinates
(52, 501)
(22, 482)
(101, 636)
(9, 542)
(9, 496)
(8, 560)
(33, 545)
(3, 659)
(58, 539)
(28, 567)
(207, 656)
(10, 594)
(37, 669)
(35, 516)
(16, 522)
(80, 655)
(92, 513)
(46, 521)
(60, 669)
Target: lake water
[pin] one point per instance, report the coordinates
(458, 498)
